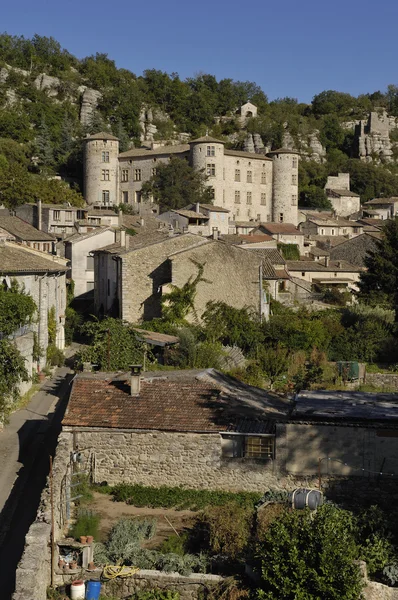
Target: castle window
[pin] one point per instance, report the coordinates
(105, 157)
(125, 196)
(280, 217)
(212, 193)
(137, 174)
(263, 201)
(154, 171)
(294, 179)
(56, 215)
(211, 151)
(237, 197)
(237, 174)
(258, 218)
(125, 175)
(332, 231)
(322, 232)
(249, 177)
(294, 162)
(294, 199)
(263, 177)
(248, 198)
(211, 170)
(105, 175)
(105, 196)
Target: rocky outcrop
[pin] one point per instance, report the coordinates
(147, 119)
(47, 83)
(254, 143)
(89, 104)
(372, 137)
(309, 146)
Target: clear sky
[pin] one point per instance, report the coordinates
(288, 47)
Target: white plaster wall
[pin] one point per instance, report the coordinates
(79, 253)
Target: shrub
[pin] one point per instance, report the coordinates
(156, 595)
(227, 528)
(266, 516)
(126, 536)
(180, 498)
(390, 574)
(55, 356)
(175, 544)
(87, 523)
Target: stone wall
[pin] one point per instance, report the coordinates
(383, 380)
(24, 344)
(33, 574)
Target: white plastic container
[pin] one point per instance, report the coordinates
(77, 590)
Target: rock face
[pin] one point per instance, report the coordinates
(89, 104)
(372, 137)
(309, 146)
(48, 83)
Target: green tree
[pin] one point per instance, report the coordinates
(43, 145)
(12, 373)
(307, 556)
(231, 326)
(15, 184)
(379, 283)
(17, 308)
(273, 362)
(176, 184)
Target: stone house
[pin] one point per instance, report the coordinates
(330, 273)
(248, 184)
(78, 249)
(207, 430)
(343, 201)
(286, 233)
(331, 227)
(17, 230)
(381, 208)
(131, 280)
(57, 219)
(44, 278)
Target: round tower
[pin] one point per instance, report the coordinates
(284, 186)
(101, 169)
(207, 154)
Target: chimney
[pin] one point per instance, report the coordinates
(142, 222)
(121, 237)
(39, 216)
(327, 259)
(126, 243)
(215, 233)
(197, 208)
(339, 264)
(135, 380)
(120, 218)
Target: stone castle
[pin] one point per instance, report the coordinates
(253, 187)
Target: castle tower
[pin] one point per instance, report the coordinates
(285, 186)
(101, 169)
(207, 154)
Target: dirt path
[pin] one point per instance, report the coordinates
(111, 512)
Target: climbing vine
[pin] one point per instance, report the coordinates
(180, 301)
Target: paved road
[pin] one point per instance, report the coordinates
(25, 446)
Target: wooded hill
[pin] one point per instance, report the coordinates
(44, 116)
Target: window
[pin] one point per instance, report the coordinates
(294, 179)
(68, 216)
(211, 170)
(237, 197)
(80, 215)
(56, 215)
(248, 198)
(263, 201)
(125, 196)
(237, 174)
(90, 263)
(212, 193)
(248, 446)
(105, 157)
(322, 232)
(137, 174)
(154, 171)
(263, 177)
(258, 218)
(138, 197)
(294, 162)
(105, 175)
(125, 175)
(344, 230)
(105, 196)
(332, 231)
(249, 177)
(280, 217)
(211, 151)
(294, 199)
(302, 274)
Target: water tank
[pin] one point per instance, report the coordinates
(306, 498)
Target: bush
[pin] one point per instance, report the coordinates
(156, 595)
(55, 356)
(87, 523)
(390, 574)
(227, 528)
(126, 536)
(266, 516)
(175, 544)
(180, 498)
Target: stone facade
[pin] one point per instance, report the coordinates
(251, 186)
(383, 380)
(344, 204)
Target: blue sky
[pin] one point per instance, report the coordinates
(287, 47)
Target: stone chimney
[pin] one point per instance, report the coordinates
(135, 377)
(327, 260)
(215, 233)
(197, 207)
(39, 216)
(339, 264)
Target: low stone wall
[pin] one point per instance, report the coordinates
(383, 380)
(33, 574)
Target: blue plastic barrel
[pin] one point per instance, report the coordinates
(93, 590)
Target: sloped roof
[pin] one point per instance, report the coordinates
(79, 237)
(346, 193)
(283, 151)
(213, 208)
(273, 255)
(354, 250)
(243, 154)
(102, 135)
(382, 201)
(162, 150)
(207, 402)
(207, 139)
(286, 228)
(313, 265)
(23, 230)
(17, 259)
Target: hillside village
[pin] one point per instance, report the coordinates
(230, 335)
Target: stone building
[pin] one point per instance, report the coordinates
(343, 201)
(17, 230)
(44, 278)
(251, 186)
(372, 137)
(130, 280)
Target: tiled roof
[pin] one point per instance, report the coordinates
(268, 270)
(162, 150)
(243, 154)
(355, 250)
(23, 230)
(286, 228)
(78, 237)
(344, 193)
(316, 251)
(156, 338)
(17, 259)
(283, 151)
(273, 255)
(190, 214)
(102, 135)
(208, 139)
(256, 238)
(382, 201)
(334, 222)
(213, 208)
(208, 402)
(312, 265)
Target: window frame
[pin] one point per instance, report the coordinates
(105, 156)
(105, 175)
(137, 175)
(210, 169)
(249, 177)
(237, 175)
(125, 175)
(211, 151)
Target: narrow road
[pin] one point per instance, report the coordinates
(25, 446)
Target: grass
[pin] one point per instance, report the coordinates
(177, 497)
(27, 397)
